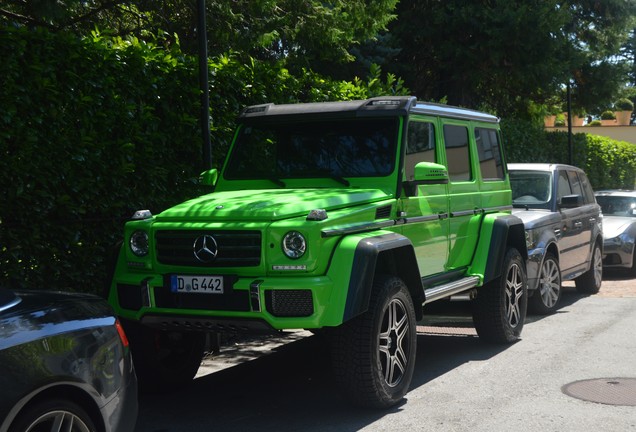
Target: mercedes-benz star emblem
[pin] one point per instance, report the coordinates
(205, 248)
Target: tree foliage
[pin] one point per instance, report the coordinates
(310, 34)
(499, 55)
(503, 54)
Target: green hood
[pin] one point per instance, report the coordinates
(268, 205)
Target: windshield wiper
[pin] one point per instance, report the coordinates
(276, 180)
(333, 176)
(339, 179)
(268, 176)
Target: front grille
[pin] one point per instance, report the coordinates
(289, 303)
(235, 248)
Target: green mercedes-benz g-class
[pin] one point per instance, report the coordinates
(346, 217)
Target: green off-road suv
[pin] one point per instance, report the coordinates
(339, 217)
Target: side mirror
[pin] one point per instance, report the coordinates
(209, 177)
(430, 173)
(571, 201)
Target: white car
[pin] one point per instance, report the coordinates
(619, 228)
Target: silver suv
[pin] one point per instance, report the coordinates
(563, 229)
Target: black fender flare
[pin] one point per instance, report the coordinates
(507, 231)
(386, 253)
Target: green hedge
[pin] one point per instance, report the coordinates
(92, 129)
(95, 128)
(90, 132)
(609, 163)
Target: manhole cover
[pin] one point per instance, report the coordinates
(609, 391)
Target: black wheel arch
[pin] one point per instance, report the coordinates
(554, 250)
(384, 254)
(507, 231)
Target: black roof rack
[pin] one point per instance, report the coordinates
(377, 106)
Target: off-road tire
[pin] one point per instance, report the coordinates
(499, 311)
(590, 281)
(164, 360)
(373, 355)
(545, 299)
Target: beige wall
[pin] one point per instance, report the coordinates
(620, 133)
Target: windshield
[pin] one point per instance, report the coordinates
(531, 189)
(334, 148)
(617, 205)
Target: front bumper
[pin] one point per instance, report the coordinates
(617, 253)
(248, 304)
(533, 267)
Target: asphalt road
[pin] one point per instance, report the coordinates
(460, 384)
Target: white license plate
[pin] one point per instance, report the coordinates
(196, 284)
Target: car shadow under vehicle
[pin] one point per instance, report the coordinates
(292, 388)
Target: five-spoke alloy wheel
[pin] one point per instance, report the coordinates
(590, 281)
(499, 311)
(54, 415)
(373, 354)
(546, 298)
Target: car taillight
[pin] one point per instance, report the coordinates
(122, 334)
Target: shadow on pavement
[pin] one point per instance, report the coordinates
(291, 389)
(616, 275)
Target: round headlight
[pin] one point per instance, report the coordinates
(294, 244)
(139, 243)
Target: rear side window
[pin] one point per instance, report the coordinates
(563, 185)
(588, 192)
(488, 148)
(457, 153)
(575, 184)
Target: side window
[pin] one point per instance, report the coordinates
(457, 153)
(489, 151)
(575, 184)
(420, 146)
(563, 186)
(588, 192)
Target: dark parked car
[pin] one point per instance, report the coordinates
(619, 228)
(66, 365)
(563, 230)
